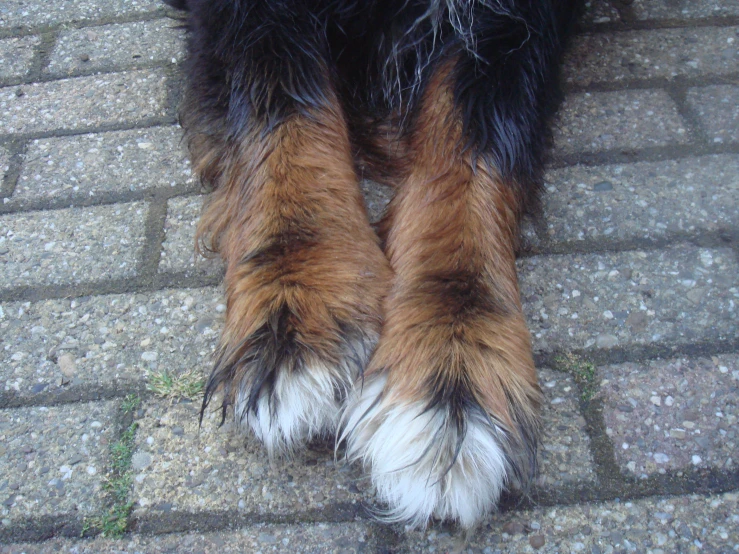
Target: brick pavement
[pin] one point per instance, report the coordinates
(630, 282)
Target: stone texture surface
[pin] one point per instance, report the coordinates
(214, 469)
(97, 164)
(564, 455)
(687, 420)
(61, 345)
(178, 249)
(22, 13)
(600, 11)
(16, 54)
(84, 102)
(343, 538)
(625, 119)
(4, 160)
(648, 200)
(684, 9)
(657, 526)
(376, 199)
(718, 109)
(117, 45)
(71, 245)
(681, 294)
(53, 460)
(663, 53)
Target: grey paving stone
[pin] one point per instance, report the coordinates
(22, 13)
(178, 249)
(16, 54)
(599, 11)
(344, 538)
(119, 46)
(4, 160)
(564, 454)
(72, 245)
(684, 9)
(673, 414)
(103, 163)
(195, 469)
(52, 460)
(656, 526)
(666, 53)
(376, 199)
(623, 119)
(678, 295)
(646, 200)
(84, 102)
(62, 345)
(718, 109)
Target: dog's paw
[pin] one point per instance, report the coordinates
(445, 422)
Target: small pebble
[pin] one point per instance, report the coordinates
(536, 541)
(84, 57)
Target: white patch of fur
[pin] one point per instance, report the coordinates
(410, 450)
(301, 406)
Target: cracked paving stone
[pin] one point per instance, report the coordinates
(121, 46)
(681, 294)
(178, 248)
(656, 53)
(22, 13)
(673, 414)
(718, 109)
(595, 121)
(684, 9)
(564, 453)
(84, 102)
(646, 200)
(118, 162)
(657, 526)
(71, 245)
(52, 460)
(341, 538)
(212, 469)
(16, 54)
(62, 345)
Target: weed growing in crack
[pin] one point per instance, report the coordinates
(189, 384)
(582, 371)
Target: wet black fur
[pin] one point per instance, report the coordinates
(254, 63)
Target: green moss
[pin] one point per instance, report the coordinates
(582, 371)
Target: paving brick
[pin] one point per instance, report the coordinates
(192, 469)
(673, 414)
(647, 200)
(564, 454)
(678, 295)
(178, 249)
(52, 460)
(376, 199)
(16, 54)
(22, 13)
(677, 524)
(623, 119)
(684, 9)
(718, 109)
(63, 345)
(599, 11)
(344, 538)
(119, 46)
(103, 163)
(665, 53)
(73, 245)
(84, 102)
(4, 160)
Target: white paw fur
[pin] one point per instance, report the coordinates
(301, 405)
(410, 450)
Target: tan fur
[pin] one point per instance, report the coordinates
(295, 191)
(454, 219)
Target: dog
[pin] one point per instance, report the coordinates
(407, 341)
